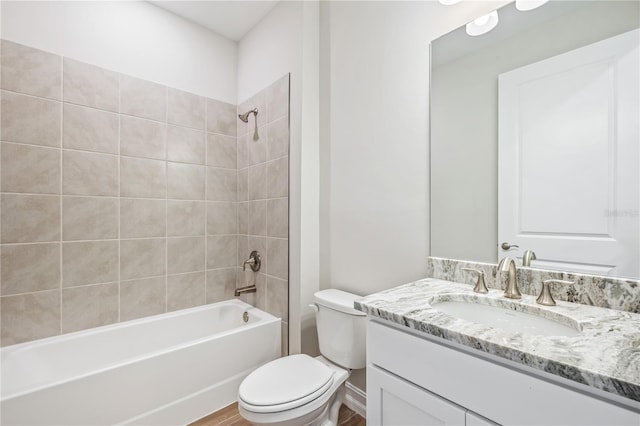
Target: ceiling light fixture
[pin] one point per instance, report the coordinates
(483, 24)
(449, 2)
(524, 5)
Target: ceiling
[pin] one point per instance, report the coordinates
(231, 19)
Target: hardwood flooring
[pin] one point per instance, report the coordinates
(229, 416)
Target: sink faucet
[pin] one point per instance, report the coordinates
(527, 257)
(508, 265)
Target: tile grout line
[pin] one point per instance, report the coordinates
(166, 202)
(119, 199)
(61, 274)
(206, 198)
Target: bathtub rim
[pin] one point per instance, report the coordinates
(265, 318)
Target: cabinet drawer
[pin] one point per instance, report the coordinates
(494, 391)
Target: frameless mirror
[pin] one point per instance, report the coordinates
(534, 139)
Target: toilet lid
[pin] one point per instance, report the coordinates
(293, 381)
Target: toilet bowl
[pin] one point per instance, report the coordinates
(301, 390)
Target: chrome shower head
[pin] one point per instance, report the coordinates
(245, 117)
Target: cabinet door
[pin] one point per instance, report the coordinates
(394, 402)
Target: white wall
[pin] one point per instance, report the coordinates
(378, 167)
(130, 37)
(286, 41)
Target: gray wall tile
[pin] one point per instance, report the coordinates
(87, 173)
(29, 168)
(141, 298)
(222, 184)
(30, 218)
(185, 145)
(143, 138)
(140, 218)
(89, 262)
(278, 138)
(90, 129)
(257, 176)
(143, 98)
(221, 151)
(278, 178)
(222, 218)
(185, 218)
(221, 284)
(221, 117)
(142, 258)
(89, 218)
(31, 71)
(89, 306)
(185, 109)
(26, 119)
(278, 218)
(186, 290)
(185, 181)
(30, 267)
(30, 316)
(142, 178)
(221, 251)
(278, 252)
(88, 85)
(185, 254)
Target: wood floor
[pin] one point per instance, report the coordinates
(229, 416)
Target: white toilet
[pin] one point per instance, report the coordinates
(300, 390)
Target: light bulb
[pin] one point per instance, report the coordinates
(483, 24)
(449, 2)
(524, 5)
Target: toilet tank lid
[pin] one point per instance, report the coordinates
(338, 300)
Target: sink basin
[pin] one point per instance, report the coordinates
(505, 319)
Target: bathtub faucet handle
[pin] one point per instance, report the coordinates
(253, 261)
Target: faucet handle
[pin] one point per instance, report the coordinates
(254, 261)
(480, 287)
(545, 297)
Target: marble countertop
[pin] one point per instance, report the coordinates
(605, 353)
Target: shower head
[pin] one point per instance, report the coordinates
(245, 117)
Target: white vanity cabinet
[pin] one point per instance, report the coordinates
(417, 379)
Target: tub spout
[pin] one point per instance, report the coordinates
(247, 289)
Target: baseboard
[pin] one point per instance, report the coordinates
(356, 400)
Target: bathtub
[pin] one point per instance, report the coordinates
(167, 369)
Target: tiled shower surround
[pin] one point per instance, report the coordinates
(123, 198)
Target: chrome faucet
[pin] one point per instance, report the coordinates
(508, 265)
(527, 257)
(254, 261)
(243, 290)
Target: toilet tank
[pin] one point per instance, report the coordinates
(341, 328)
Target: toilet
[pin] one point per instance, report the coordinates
(301, 390)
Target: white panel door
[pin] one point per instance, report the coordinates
(392, 401)
(568, 174)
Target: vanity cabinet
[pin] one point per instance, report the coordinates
(417, 379)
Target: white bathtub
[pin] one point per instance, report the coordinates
(163, 370)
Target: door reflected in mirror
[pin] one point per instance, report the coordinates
(539, 116)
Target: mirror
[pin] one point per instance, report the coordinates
(465, 124)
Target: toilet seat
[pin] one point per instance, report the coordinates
(285, 384)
